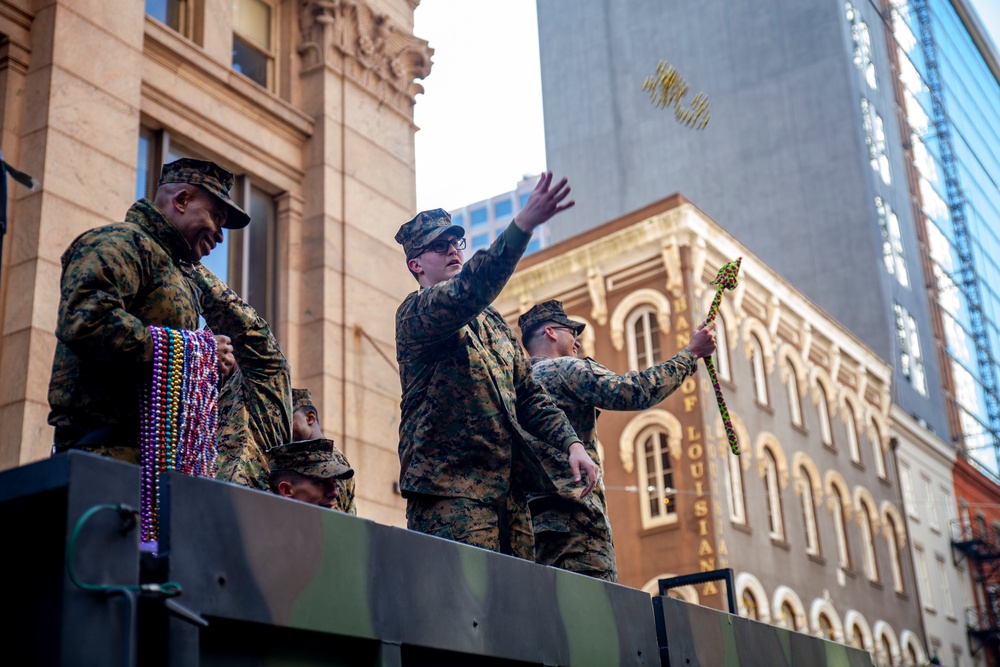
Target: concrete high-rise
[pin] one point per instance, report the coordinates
(852, 146)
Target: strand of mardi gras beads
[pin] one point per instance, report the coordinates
(726, 279)
(178, 429)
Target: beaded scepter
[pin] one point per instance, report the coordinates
(726, 279)
(178, 409)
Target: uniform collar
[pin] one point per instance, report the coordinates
(156, 224)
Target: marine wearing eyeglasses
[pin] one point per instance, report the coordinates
(574, 533)
(468, 397)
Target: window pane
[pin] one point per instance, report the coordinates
(252, 18)
(502, 208)
(260, 265)
(480, 241)
(249, 61)
(143, 175)
(167, 12)
(523, 200)
(478, 216)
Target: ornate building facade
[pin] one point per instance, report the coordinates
(309, 103)
(809, 515)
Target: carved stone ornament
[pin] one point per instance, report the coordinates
(372, 51)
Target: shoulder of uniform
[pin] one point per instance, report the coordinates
(595, 367)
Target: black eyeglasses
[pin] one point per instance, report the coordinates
(570, 329)
(441, 246)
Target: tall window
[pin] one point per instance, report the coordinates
(656, 478)
(892, 242)
(789, 619)
(809, 514)
(840, 528)
(893, 546)
(759, 374)
(942, 577)
(857, 639)
(877, 452)
(737, 503)
(852, 434)
(503, 208)
(906, 484)
(253, 52)
(875, 139)
(826, 628)
(775, 522)
(867, 541)
(825, 432)
(923, 577)
(911, 363)
(643, 338)
(927, 505)
(721, 349)
(794, 403)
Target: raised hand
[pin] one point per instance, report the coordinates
(545, 201)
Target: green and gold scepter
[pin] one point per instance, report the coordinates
(727, 279)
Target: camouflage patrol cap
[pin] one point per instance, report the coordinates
(547, 311)
(309, 457)
(213, 178)
(416, 234)
(302, 398)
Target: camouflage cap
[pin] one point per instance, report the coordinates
(547, 311)
(309, 457)
(213, 178)
(302, 398)
(416, 234)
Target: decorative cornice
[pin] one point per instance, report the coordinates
(378, 55)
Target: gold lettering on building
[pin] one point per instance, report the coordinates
(693, 434)
(689, 385)
(690, 402)
(695, 450)
(682, 323)
(705, 549)
(683, 338)
(701, 508)
(723, 551)
(709, 589)
(707, 564)
(680, 304)
(699, 488)
(698, 469)
(703, 526)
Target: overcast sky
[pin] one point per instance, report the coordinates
(481, 113)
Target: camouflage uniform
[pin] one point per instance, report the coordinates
(302, 398)
(116, 281)
(254, 402)
(468, 398)
(574, 533)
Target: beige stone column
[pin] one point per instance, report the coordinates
(358, 64)
(79, 136)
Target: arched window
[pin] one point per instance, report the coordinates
(656, 477)
(809, 514)
(826, 628)
(734, 484)
(840, 528)
(643, 334)
(721, 349)
(794, 403)
(759, 372)
(825, 432)
(857, 639)
(749, 607)
(775, 523)
(868, 545)
(789, 619)
(893, 546)
(852, 433)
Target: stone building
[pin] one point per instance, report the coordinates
(310, 103)
(808, 516)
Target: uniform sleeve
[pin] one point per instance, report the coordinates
(537, 413)
(439, 311)
(266, 375)
(101, 274)
(593, 384)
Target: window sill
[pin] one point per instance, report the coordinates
(877, 585)
(858, 465)
(764, 407)
(654, 530)
(800, 428)
(817, 558)
(884, 480)
(849, 572)
(780, 543)
(902, 595)
(742, 527)
(830, 446)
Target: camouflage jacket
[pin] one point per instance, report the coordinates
(255, 402)
(345, 487)
(467, 385)
(580, 387)
(116, 281)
